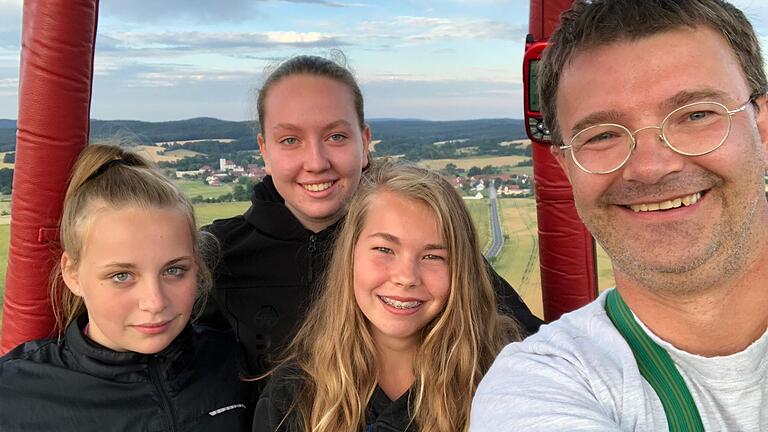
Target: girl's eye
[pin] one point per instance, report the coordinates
(434, 257)
(175, 271)
(289, 141)
(383, 249)
(121, 277)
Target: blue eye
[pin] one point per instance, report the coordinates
(175, 271)
(383, 249)
(337, 137)
(699, 115)
(121, 277)
(289, 141)
(434, 257)
(602, 137)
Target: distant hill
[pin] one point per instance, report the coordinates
(191, 129)
(398, 136)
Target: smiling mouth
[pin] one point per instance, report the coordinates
(401, 304)
(317, 187)
(687, 200)
(154, 325)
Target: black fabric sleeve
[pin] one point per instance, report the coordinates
(512, 304)
(273, 410)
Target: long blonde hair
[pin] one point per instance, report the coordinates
(108, 176)
(335, 352)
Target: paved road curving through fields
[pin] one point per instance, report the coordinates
(497, 237)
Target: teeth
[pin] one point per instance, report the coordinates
(669, 204)
(317, 187)
(400, 305)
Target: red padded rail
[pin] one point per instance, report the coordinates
(57, 46)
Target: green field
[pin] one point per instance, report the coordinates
(207, 213)
(5, 236)
(194, 188)
(479, 210)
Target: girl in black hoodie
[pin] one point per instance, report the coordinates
(128, 360)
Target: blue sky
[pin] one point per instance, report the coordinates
(174, 59)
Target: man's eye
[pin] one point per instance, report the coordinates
(699, 115)
(337, 137)
(289, 141)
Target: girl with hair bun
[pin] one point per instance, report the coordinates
(405, 325)
(127, 357)
(315, 143)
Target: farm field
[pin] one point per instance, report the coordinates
(468, 163)
(152, 152)
(480, 209)
(194, 188)
(208, 212)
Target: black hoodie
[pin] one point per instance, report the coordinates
(268, 272)
(74, 384)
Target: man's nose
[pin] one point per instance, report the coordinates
(652, 158)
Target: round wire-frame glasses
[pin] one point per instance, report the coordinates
(622, 133)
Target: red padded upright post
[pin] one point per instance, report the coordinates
(57, 46)
(566, 248)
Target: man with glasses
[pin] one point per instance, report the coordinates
(658, 115)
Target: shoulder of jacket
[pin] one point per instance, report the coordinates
(30, 351)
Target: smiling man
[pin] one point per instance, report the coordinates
(659, 118)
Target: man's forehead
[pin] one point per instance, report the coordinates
(658, 72)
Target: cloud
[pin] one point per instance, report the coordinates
(229, 43)
(443, 99)
(139, 75)
(203, 11)
(427, 29)
(10, 24)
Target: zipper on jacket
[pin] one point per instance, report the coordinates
(157, 381)
(312, 249)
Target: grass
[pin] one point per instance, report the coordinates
(480, 209)
(152, 152)
(479, 162)
(4, 164)
(194, 188)
(5, 236)
(518, 262)
(208, 212)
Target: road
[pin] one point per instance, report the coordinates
(497, 237)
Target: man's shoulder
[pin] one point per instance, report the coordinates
(576, 372)
(576, 336)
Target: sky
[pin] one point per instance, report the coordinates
(159, 60)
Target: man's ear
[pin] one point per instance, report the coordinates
(559, 156)
(70, 275)
(264, 154)
(761, 119)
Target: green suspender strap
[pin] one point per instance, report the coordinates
(657, 368)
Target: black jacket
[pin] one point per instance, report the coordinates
(269, 269)
(275, 402)
(74, 384)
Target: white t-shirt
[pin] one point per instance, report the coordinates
(578, 373)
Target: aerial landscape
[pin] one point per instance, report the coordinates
(216, 162)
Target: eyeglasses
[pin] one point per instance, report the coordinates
(694, 129)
